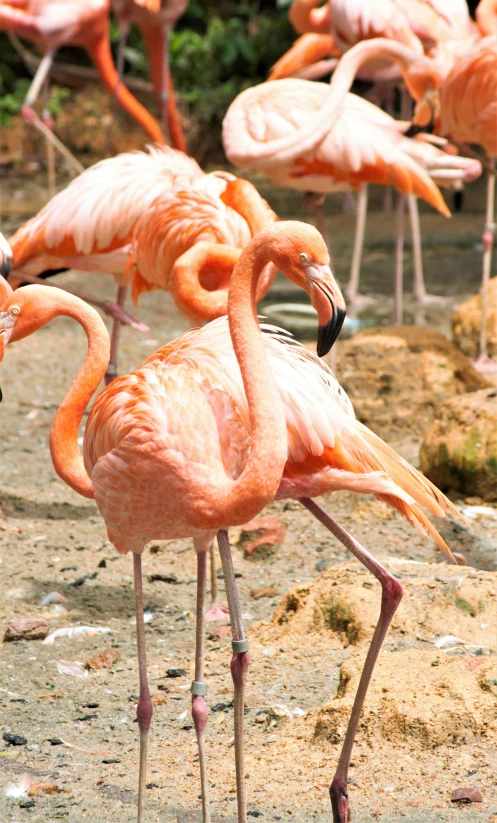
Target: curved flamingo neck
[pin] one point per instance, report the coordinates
(100, 53)
(66, 456)
(233, 502)
(305, 16)
(154, 37)
(185, 285)
(288, 148)
(244, 198)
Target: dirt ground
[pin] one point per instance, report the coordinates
(430, 722)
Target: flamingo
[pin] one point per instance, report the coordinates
(486, 17)
(89, 226)
(327, 450)
(463, 104)
(85, 23)
(155, 19)
(165, 452)
(272, 127)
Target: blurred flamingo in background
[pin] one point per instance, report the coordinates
(312, 137)
(463, 106)
(51, 24)
(155, 19)
(486, 17)
(90, 225)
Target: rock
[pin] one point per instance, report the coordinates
(466, 795)
(159, 699)
(263, 534)
(466, 323)
(43, 788)
(162, 578)
(32, 628)
(104, 660)
(460, 450)
(278, 715)
(14, 739)
(397, 376)
(266, 591)
(220, 633)
(175, 673)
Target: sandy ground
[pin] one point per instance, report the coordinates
(430, 724)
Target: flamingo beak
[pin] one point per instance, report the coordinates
(5, 257)
(328, 301)
(6, 329)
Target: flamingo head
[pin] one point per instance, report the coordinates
(301, 254)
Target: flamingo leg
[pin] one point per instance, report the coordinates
(351, 290)
(418, 291)
(30, 115)
(390, 598)
(121, 53)
(399, 255)
(144, 708)
(488, 242)
(164, 94)
(239, 667)
(47, 120)
(212, 554)
(200, 710)
(111, 372)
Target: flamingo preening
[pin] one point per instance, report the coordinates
(145, 218)
(264, 418)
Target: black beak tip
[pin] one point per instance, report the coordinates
(328, 334)
(1, 395)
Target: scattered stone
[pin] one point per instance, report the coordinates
(43, 788)
(460, 450)
(263, 534)
(26, 803)
(53, 597)
(91, 705)
(109, 760)
(175, 673)
(159, 699)
(32, 628)
(418, 367)
(103, 660)
(321, 565)
(466, 795)
(163, 687)
(163, 578)
(466, 323)
(278, 715)
(102, 564)
(266, 591)
(221, 707)
(85, 717)
(220, 633)
(254, 814)
(152, 786)
(80, 580)
(14, 739)
(55, 741)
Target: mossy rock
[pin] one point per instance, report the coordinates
(459, 451)
(397, 377)
(466, 323)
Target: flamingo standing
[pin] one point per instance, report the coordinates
(155, 19)
(85, 23)
(327, 450)
(165, 451)
(464, 107)
(271, 127)
(90, 224)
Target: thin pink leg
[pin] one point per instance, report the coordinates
(239, 667)
(352, 287)
(111, 372)
(47, 120)
(488, 242)
(200, 710)
(321, 219)
(144, 708)
(212, 556)
(418, 290)
(391, 595)
(399, 255)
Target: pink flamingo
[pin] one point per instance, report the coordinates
(155, 19)
(326, 448)
(199, 476)
(462, 103)
(90, 224)
(85, 23)
(312, 137)
(486, 17)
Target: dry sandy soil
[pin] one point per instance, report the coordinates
(430, 724)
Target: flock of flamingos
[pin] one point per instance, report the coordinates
(230, 416)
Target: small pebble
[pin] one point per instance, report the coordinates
(321, 565)
(26, 803)
(175, 673)
(14, 739)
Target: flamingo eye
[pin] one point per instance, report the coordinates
(304, 257)
(15, 310)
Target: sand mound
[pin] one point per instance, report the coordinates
(466, 323)
(397, 376)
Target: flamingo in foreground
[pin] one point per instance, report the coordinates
(90, 225)
(85, 23)
(320, 138)
(155, 19)
(326, 449)
(162, 451)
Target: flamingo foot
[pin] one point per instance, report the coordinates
(339, 801)
(423, 299)
(218, 611)
(262, 533)
(359, 300)
(484, 363)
